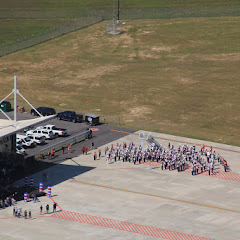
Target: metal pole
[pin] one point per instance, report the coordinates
(7, 96)
(118, 10)
(30, 104)
(15, 99)
(5, 114)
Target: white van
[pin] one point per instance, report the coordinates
(25, 140)
(38, 139)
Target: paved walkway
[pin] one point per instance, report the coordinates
(127, 201)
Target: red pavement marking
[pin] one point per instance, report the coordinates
(125, 226)
(220, 174)
(216, 173)
(94, 129)
(54, 201)
(152, 163)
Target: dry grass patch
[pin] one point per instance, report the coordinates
(179, 76)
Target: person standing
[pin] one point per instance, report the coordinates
(29, 214)
(212, 166)
(99, 153)
(95, 156)
(69, 147)
(25, 214)
(86, 149)
(54, 207)
(34, 198)
(83, 150)
(52, 153)
(47, 208)
(41, 208)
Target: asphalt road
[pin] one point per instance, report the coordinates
(102, 136)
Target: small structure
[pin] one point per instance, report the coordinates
(114, 27)
(92, 119)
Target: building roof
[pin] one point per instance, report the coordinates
(8, 128)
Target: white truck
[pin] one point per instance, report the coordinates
(25, 141)
(41, 132)
(56, 131)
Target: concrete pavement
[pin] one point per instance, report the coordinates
(100, 200)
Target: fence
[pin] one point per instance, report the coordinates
(58, 146)
(106, 15)
(175, 13)
(49, 34)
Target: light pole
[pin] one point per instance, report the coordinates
(118, 11)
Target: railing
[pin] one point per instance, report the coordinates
(64, 143)
(176, 12)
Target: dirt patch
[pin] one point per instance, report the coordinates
(186, 81)
(222, 57)
(145, 55)
(139, 111)
(162, 49)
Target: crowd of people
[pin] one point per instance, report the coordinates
(171, 157)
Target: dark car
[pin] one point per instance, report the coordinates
(45, 111)
(70, 116)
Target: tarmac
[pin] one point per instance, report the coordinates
(121, 200)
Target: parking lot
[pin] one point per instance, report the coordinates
(101, 136)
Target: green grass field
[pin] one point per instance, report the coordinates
(20, 19)
(178, 76)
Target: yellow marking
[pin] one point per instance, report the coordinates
(153, 195)
(171, 140)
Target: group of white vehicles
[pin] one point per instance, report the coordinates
(37, 136)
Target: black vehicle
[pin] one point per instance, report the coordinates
(92, 119)
(45, 111)
(70, 116)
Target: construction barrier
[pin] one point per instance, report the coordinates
(25, 197)
(31, 182)
(26, 181)
(49, 191)
(40, 187)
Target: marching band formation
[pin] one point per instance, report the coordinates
(171, 158)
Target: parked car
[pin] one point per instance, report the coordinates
(19, 142)
(70, 116)
(20, 150)
(40, 132)
(56, 131)
(25, 140)
(45, 111)
(38, 139)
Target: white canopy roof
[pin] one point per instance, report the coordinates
(8, 127)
